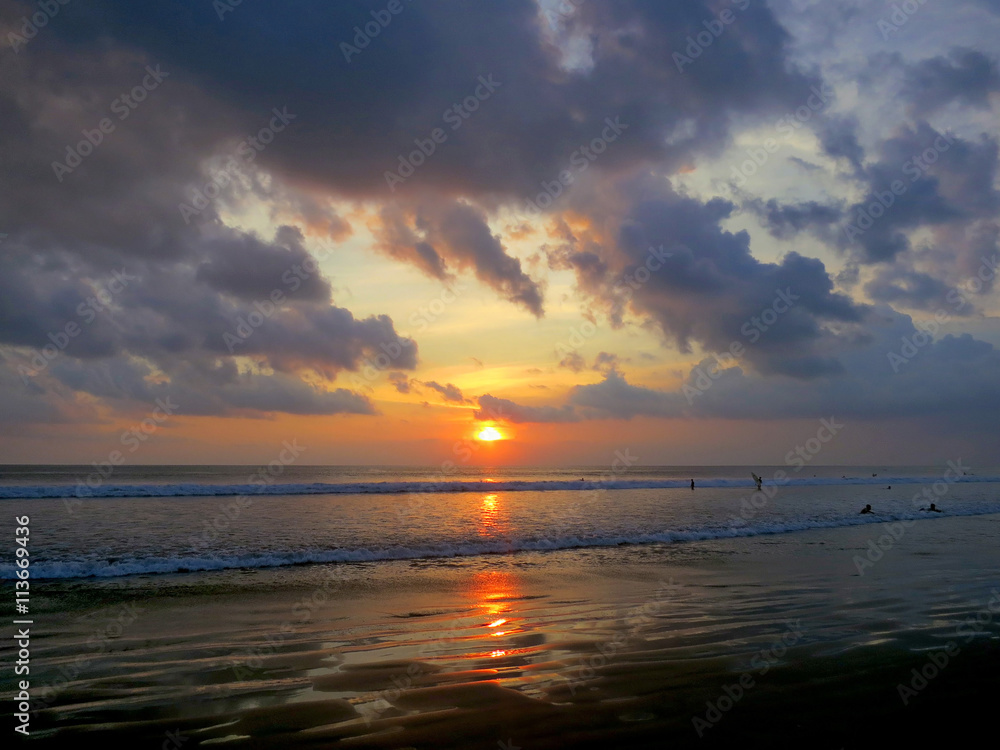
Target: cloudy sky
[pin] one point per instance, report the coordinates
(688, 229)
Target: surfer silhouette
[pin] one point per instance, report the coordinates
(692, 484)
(867, 509)
(932, 509)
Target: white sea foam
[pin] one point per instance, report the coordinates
(394, 488)
(165, 565)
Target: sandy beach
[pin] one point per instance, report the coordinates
(766, 641)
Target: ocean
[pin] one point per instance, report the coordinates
(185, 519)
(390, 607)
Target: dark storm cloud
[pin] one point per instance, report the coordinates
(922, 178)
(121, 199)
(615, 399)
(354, 116)
(250, 269)
(952, 271)
(605, 362)
(449, 392)
(163, 311)
(400, 240)
(444, 236)
(787, 220)
(25, 403)
(462, 231)
(573, 361)
(838, 136)
(400, 382)
(965, 76)
(491, 407)
(101, 266)
(915, 290)
(673, 265)
(807, 166)
(897, 373)
(200, 388)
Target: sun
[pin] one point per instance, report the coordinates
(489, 434)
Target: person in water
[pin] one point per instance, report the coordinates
(932, 509)
(867, 509)
(757, 480)
(692, 484)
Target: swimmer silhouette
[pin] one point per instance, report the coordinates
(932, 509)
(866, 509)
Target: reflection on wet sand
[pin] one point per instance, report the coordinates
(586, 651)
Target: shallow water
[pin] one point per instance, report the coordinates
(115, 536)
(379, 645)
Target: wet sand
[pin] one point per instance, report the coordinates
(767, 641)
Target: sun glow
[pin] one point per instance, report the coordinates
(489, 434)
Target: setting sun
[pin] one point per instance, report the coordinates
(490, 433)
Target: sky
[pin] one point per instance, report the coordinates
(688, 231)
